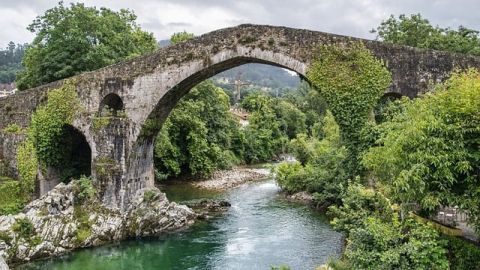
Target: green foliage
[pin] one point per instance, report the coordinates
(84, 189)
(281, 267)
(48, 122)
(13, 128)
(149, 196)
(84, 230)
(416, 31)
(377, 239)
(379, 244)
(462, 255)
(351, 80)
(10, 61)
(24, 228)
(199, 136)
(359, 203)
(321, 171)
(291, 177)
(27, 165)
(12, 200)
(181, 37)
(428, 153)
(71, 40)
(100, 122)
(272, 123)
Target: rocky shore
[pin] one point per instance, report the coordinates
(226, 179)
(58, 222)
(300, 197)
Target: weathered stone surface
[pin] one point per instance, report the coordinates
(3, 264)
(61, 224)
(151, 85)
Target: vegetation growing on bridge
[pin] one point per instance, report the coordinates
(351, 80)
(45, 144)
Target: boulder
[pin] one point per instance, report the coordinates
(60, 223)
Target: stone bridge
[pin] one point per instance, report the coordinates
(147, 88)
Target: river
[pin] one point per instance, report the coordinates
(260, 230)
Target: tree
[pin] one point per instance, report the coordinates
(199, 136)
(71, 40)
(10, 61)
(428, 153)
(416, 31)
(181, 37)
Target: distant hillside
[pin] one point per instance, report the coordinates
(271, 79)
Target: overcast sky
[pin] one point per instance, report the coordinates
(164, 17)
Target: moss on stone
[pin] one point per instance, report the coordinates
(100, 122)
(13, 128)
(11, 200)
(84, 230)
(105, 167)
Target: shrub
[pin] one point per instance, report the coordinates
(13, 128)
(461, 254)
(12, 200)
(24, 228)
(149, 196)
(84, 189)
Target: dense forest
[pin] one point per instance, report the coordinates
(11, 62)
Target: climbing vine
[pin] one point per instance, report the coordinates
(351, 80)
(43, 143)
(49, 120)
(27, 164)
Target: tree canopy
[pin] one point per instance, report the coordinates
(417, 31)
(10, 61)
(74, 39)
(429, 152)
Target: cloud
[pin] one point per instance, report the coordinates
(165, 17)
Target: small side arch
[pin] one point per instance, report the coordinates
(111, 104)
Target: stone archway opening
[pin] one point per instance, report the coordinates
(77, 155)
(75, 162)
(382, 105)
(111, 105)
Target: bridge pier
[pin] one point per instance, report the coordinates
(118, 169)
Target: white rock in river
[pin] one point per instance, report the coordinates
(60, 225)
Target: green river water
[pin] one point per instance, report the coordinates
(261, 229)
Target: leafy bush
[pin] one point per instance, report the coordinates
(322, 173)
(199, 136)
(462, 255)
(12, 199)
(378, 244)
(24, 228)
(149, 196)
(84, 189)
(359, 203)
(291, 177)
(428, 152)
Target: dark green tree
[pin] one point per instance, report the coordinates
(199, 136)
(74, 39)
(428, 153)
(417, 31)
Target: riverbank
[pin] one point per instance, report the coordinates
(227, 179)
(62, 220)
(259, 230)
